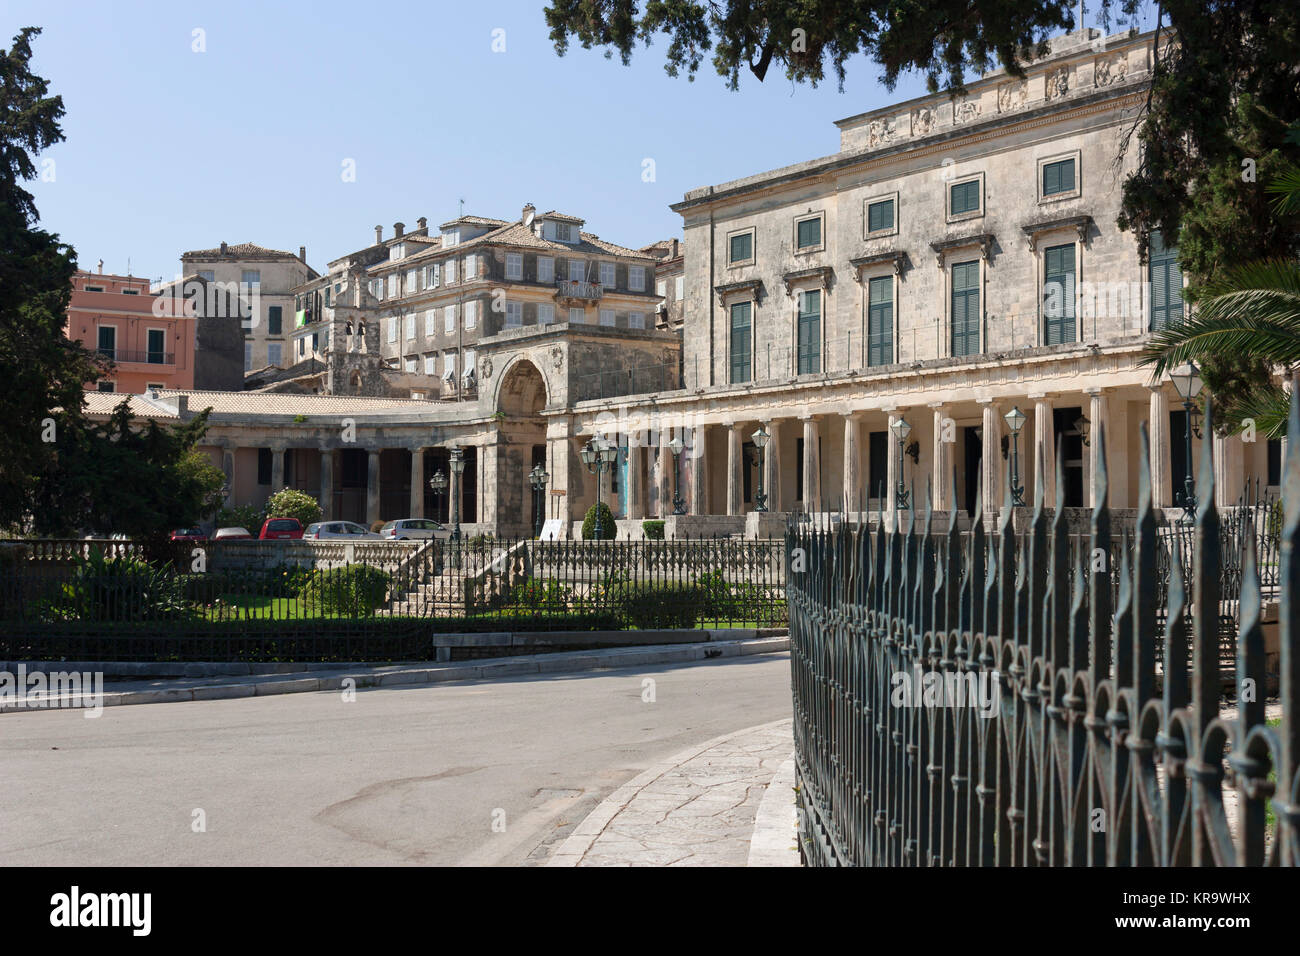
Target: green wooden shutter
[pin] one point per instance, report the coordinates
(741, 366)
(965, 308)
(880, 215)
(1166, 278)
(965, 197)
(810, 340)
(880, 321)
(1058, 295)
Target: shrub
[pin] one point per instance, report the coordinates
(606, 517)
(292, 503)
(661, 605)
(542, 595)
(120, 589)
(654, 529)
(286, 580)
(375, 526)
(353, 590)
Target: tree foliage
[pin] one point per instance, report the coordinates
(945, 41)
(292, 503)
(43, 372)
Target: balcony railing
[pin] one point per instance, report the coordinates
(121, 356)
(577, 289)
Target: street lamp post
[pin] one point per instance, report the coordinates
(1015, 420)
(761, 438)
(676, 446)
(1187, 380)
(901, 430)
(438, 483)
(598, 454)
(538, 478)
(458, 469)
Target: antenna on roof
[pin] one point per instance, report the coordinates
(462, 209)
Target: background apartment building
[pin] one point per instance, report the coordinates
(270, 274)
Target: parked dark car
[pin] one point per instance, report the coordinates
(281, 528)
(189, 534)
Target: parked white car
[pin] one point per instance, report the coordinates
(410, 529)
(231, 534)
(339, 529)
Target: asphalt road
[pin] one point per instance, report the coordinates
(481, 773)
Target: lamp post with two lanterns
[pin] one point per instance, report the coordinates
(902, 498)
(598, 454)
(538, 478)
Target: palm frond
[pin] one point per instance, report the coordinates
(1286, 187)
(1268, 406)
(1198, 337)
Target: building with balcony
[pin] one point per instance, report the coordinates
(148, 347)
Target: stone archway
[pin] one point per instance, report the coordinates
(521, 445)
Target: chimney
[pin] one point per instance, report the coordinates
(422, 222)
(224, 248)
(182, 405)
(302, 253)
(398, 229)
(101, 266)
(528, 208)
(379, 234)
(675, 248)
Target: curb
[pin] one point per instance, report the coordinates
(776, 825)
(575, 847)
(405, 675)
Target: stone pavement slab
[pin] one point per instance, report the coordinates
(699, 808)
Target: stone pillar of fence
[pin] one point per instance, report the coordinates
(1229, 469)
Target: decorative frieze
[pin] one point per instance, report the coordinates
(922, 121)
(1058, 83)
(1012, 96)
(1109, 70)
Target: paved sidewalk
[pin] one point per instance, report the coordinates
(721, 803)
(167, 690)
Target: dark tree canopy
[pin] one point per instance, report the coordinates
(944, 39)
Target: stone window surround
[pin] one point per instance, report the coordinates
(890, 266)
(949, 252)
(948, 184)
(866, 219)
(1075, 193)
(753, 247)
(808, 280)
(1057, 232)
(804, 217)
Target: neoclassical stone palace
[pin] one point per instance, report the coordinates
(945, 297)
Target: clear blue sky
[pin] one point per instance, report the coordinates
(168, 149)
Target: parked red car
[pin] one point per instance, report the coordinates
(189, 534)
(281, 528)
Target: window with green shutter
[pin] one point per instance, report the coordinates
(880, 215)
(742, 248)
(1058, 177)
(741, 341)
(1058, 295)
(880, 321)
(810, 233)
(965, 197)
(274, 320)
(966, 308)
(810, 332)
(1166, 278)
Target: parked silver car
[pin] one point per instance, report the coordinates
(410, 529)
(339, 529)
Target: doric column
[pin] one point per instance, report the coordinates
(851, 479)
(735, 505)
(635, 478)
(812, 499)
(1161, 478)
(664, 474)
(327, 483)
(941, 477)
(697, 440)
(1229, 470)
(454, 483)
(1043, 466)
(228, 469)
(991, 462)
(277, 468)
(772, 466)
(372, 486)
(417, 483)
(1097, 408)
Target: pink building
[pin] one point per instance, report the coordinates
(116, 315)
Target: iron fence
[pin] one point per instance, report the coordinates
(976, 699)
(262, 601)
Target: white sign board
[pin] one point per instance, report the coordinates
(551, 529)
